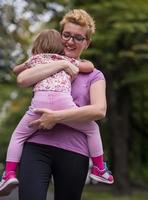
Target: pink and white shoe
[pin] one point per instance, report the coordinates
(103, 176)
(8, 183)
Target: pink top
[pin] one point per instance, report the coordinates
(59, 82)
(62, 136)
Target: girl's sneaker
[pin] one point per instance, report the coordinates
(103, 176)
(8, 183)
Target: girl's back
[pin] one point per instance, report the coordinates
(59, 82)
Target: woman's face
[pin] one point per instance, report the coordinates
(74, 40)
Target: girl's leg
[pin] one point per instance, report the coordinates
(19, 136)
(98, 172)
(95, 146)
(91, 129)
(35, 172)
(23, 131)
(69, 174)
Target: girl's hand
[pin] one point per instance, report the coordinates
(46, 121)
(71, 69)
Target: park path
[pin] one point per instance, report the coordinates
(14, 196)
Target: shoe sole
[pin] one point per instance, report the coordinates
(8, 187)
(99, 179)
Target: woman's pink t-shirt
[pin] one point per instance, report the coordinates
(62, 136)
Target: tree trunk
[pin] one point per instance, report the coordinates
(119, 131)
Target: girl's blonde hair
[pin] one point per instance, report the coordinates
(48, 41)
(80, 17)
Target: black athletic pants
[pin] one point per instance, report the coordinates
(39, 162)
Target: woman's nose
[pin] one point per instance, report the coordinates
(71, 40)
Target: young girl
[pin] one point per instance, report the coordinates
(53, 93)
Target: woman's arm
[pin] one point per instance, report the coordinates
(19, 68)
(33, 75)
(86, 66)
(95, 111)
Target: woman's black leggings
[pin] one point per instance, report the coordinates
(39, 162)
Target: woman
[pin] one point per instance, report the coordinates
(62, 151)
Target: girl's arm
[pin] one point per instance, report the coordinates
(35, 74)
(95, 111)
(86, 66)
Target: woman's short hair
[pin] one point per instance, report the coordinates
(80, 17)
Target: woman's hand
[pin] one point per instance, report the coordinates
(46, 121)
(19, 68)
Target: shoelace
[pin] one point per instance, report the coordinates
(106, 168)
(2, 177)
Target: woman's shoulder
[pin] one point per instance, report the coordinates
(96, 75)
(89, 78)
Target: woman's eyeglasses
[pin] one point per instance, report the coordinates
(76, 38)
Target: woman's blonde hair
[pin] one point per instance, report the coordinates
(48, 41)
(80, 17)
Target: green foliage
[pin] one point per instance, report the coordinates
(13, 104)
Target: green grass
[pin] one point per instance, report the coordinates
(95, 193)
(99, 192)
